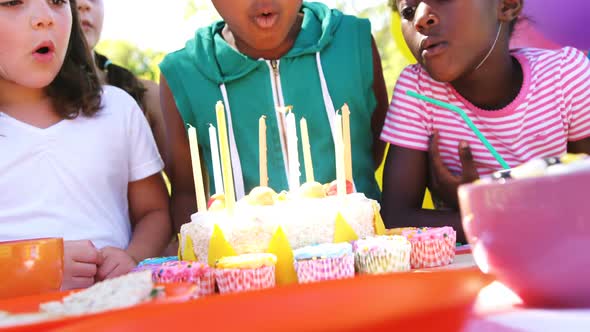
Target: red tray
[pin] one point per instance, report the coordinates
(437, 301)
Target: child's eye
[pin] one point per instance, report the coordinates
(407, 13)
(58, 2)
(11, 3)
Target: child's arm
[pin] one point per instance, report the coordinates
(378, 118)
(404, 183)
(581, 146)
(149, 214)
(178, 161)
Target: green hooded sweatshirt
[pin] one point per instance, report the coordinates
(329, 65)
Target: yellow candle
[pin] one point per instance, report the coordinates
(197, 171)
(339, 149)
(306, 151)
(347, 142)
(262, 151)
(226, 168)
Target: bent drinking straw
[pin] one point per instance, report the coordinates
(467, 120)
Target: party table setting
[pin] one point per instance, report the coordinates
(319, 258)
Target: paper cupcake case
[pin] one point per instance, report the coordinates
(313, 270)
(379, 263)
(191, 272)
(429, 253)
(240, 280)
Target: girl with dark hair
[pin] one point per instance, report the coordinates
(529, 103)
(78, 161)
(146, 93)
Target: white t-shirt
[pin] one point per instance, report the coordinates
(70, 180)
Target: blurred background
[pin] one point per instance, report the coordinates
(138, 33)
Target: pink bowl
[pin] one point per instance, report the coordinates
(533, 235)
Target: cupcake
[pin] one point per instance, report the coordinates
(192, 272)
(431, 247)
(245, 272)
(153, 264)
(382, 254)
(324, 262)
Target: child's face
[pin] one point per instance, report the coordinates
(449, 37)
(261, 24)
(91, 13)
(34, 40)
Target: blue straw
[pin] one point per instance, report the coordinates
(467, 120)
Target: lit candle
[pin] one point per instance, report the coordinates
(197, 171)
(292, 152)
(226, 168)
(217, 177)
(339, 150)
(262, 151)
(306, 151)
(347, 142)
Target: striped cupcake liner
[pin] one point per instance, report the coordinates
(241, 280)
(433, 252)
(313, 270)
(383, 263)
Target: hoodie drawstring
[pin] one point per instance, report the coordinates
(235, 157)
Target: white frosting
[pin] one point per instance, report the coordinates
(305, 222)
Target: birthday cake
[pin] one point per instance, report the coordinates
(305, 220)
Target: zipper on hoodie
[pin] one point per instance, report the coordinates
(277, 93)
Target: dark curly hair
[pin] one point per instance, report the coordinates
(121, 78)
(76, 88)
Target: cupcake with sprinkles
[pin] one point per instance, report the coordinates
(191, 272)
(153, 264)
(245, 272)
(321, 262)
(431, 247)
(382, 254)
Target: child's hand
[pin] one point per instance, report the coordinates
(116, 262)
(442, 182)
(171, 249)
(81, 260)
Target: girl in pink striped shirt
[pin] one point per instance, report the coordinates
(528, 103)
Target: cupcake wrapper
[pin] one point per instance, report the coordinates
(207, 285)
(204, 277)
(240, 280)
(383, 263)
(313, 270)
(433, 252)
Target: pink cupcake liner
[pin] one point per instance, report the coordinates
(313, 270)
(427, 253)
(240, 280)
(191, 272)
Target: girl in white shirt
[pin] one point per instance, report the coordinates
(76, 160)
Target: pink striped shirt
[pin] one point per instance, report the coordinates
(552, 108)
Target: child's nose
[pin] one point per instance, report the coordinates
(83, 6)
(42, 18)
(425, 18)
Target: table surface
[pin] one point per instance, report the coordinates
(498, 309)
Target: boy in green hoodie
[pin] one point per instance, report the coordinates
(269, 53)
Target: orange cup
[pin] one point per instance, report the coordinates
(30, 267)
